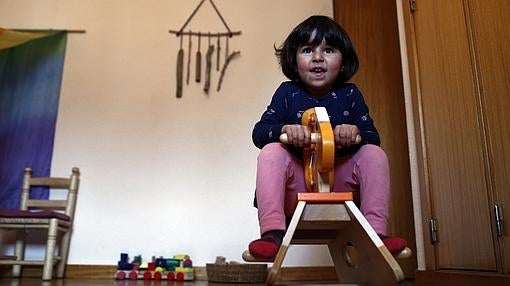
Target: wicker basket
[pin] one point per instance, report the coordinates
(236, 273)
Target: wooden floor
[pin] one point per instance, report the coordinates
(113, 282)
(101, 282)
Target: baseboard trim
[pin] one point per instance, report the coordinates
(464, 278)
(74, 271)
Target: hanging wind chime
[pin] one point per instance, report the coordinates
(209, 53)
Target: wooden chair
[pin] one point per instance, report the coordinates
(330, 218)
(54, 216)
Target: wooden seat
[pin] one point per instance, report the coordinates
(54, 216)
(332, 219)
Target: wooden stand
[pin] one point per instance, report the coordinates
(332, 219)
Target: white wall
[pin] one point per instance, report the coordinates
(161, 175)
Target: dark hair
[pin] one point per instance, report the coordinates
(324, 28)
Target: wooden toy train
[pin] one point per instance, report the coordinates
(178, 268)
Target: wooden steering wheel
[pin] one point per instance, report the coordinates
(319, 157)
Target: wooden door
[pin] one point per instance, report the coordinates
(456, 164)
(491, 34)
(372, 26)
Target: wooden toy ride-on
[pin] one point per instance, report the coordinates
(323, 217)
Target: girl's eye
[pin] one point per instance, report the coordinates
(306, 50)
(329, 50)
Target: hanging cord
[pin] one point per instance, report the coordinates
(226, 47)
(221, 17)
(190, 17)
(181, 30)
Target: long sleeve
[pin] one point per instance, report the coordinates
(360, 117)
(269, 127)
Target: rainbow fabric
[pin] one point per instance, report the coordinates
(31, 65)
(12, 38)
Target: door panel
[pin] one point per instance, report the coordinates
(491, 35)
(453, 137)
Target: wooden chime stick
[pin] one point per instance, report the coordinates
(198, 61)
(218, 54)
(226, 48)
(198, 57)
(227, 61)
(189, 60)
(208, 66)
(179, 71)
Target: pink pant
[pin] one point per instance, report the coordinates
(280, 177)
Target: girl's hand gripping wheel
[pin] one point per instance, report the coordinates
(319, 157)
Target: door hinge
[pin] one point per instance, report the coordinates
(498, 216)
(433, 230)
(412, 5)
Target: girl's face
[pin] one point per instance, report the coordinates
(318, 67)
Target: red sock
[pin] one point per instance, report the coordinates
(394, 244)
(267, 246)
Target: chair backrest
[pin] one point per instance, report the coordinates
(66, 205)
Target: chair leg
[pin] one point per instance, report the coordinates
(63, 253)
(19, 251)
(50, 250)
